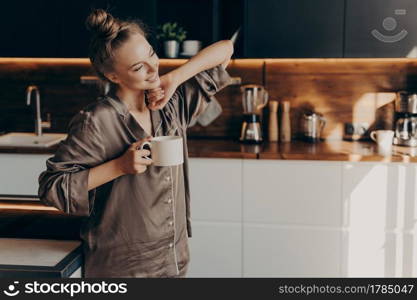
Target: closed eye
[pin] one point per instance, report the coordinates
(153, 53)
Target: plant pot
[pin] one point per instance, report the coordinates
(171, 48)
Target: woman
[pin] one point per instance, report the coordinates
(137, 215)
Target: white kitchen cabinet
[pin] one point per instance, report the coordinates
(292, 213)
(216, 211)
(19, 173)
(379, 205)
(407, 254)
(276, 218)
(290, 251)
(373, 195)
(216, 189)
(216, 249)
(292, 192)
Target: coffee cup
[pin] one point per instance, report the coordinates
(383, 138)
(165, 150)
(191, 47)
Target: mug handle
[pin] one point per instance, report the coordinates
(372, 135)
(143, 145)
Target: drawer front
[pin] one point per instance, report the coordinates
(216, 189)
(292, 192)
(290, 251)
(19, 173)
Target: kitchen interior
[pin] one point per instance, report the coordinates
(307, 169)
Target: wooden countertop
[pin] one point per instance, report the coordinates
(295, 150)
(215, 148)
(333, 150)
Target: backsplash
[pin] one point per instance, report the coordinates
(343, 90)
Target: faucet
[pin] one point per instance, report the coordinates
(38, 121)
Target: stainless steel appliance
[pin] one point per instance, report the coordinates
(312, 125)
(406, 119)
(254, 98)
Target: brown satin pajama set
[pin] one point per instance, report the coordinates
(136, 225)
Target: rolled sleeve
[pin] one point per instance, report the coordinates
(192, 96)
(213, 80)
(81, 200)
(64, 184)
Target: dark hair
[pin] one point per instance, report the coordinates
(108, 34)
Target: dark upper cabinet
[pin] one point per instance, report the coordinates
(29, 28)
(206, 20)
(376, 28)
(269, 28)
(74, 37)
(201, 18)
(293, 28)
(48, 28)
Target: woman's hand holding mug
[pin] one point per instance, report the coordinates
(132, 161)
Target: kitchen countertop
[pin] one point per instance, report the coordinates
(31, 258)
(216, 148)
(296, 150)
(336, 151)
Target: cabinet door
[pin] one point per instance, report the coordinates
(215, 249)
(294, 28)
(292, 192)
(290, 251)
(47, 28)
(19, 173)
(74, 37)
(216, 211)
(216, 189)
(378, 216)
(198, 18)
(373, 196)
(30, 28)
(377, 28)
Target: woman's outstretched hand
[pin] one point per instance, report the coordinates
(159, 96)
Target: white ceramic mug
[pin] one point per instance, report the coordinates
(165, 150)
(384, 140)
(191, 47)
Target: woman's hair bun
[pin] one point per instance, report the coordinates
(102, 24)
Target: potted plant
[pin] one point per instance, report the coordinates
(172, 35)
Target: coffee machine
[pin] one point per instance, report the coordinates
(254, 98)
(406, 119)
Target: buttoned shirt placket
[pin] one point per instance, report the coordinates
(172, 200)
(172, 244)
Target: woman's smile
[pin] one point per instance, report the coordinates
(153, 79)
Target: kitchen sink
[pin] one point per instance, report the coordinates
(30, 140)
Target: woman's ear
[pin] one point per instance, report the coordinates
(112, 77)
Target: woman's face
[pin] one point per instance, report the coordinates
(136, 65)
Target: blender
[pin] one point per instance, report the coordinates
(254, 98)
